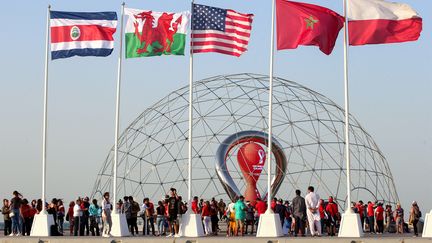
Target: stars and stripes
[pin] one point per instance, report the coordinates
(220, 30)
(82, 33)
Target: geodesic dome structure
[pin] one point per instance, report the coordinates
(309, 127)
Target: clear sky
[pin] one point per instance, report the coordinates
(390, 94)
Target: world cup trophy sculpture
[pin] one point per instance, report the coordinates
(251, 158)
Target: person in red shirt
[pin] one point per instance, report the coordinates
(332, 212)
(27, 214)
(321, 210)
(273, 204)
(371, 218)
(379, 215)
(194, 205)
(205, 213)
(360, 211)
(70, 217)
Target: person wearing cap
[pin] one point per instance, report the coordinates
(415, 215)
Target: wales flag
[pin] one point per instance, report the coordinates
(151, 33)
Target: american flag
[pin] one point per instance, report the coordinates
(220, 30)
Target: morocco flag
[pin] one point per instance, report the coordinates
(151, 33)
(379, 22)
(306, 24)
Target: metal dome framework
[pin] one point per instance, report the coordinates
(309, 126)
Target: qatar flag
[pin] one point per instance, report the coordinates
(381, 22)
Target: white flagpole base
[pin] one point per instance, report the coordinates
(42, 225)
(427, 228)
(191, 225)
(269, 225)
(350, 226)
(119, 225)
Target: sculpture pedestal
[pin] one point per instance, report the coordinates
(269, 225)
(427, 228)
(119, 225)
(42, 224)
(191, 225)
(350, 226)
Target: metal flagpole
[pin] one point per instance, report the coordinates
(347, 143)
(190, 119)
(350, 225)
(45, 124)
(117, 112)
(270, 121)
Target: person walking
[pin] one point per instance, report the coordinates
(415, 215)
(94, 211)
(205, 214)
(232, 226)
(240, 216)
(106, 215)
(6, 218)
(312, 204)
(299, 213)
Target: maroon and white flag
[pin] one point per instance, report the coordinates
(381, 22)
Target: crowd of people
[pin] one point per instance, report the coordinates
(309, 215)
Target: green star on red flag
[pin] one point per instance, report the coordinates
(310, 22)
(306, 24)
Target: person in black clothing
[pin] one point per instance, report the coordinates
(173, 211)
(280, 209)
(85, 217)
(299, 213)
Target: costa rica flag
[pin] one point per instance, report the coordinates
(82, 33)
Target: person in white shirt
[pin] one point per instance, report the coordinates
(106, 215)
(312, 205)
(77, 214)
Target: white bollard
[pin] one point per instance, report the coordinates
(42, 224)
(119, 225)
(350, 226)
(269, 225)
(427, 227)
(191, 225)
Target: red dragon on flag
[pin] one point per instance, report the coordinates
(155, 33)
